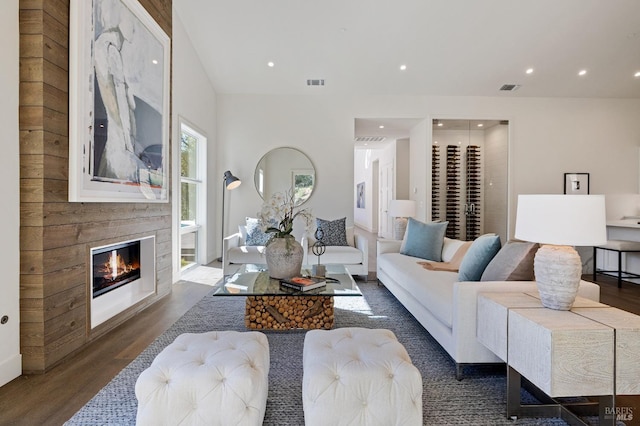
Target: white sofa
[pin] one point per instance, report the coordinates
(355, 256)
(445, 307)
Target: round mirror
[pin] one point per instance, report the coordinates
(285, 169)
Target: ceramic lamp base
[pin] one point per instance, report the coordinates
(558, 270)
(399, 227)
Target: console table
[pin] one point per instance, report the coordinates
(587, 351)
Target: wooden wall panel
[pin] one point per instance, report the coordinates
(56, 235)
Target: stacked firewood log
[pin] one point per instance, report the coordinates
(285, 312)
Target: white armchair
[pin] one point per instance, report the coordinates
(236, 252)
(355, 256)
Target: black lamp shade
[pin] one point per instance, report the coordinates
(230, 181)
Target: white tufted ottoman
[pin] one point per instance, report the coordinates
(214, 378)
(359, 376)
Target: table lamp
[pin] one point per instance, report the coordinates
(559, 222)
(401, 210)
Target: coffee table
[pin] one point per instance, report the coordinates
(270, 306)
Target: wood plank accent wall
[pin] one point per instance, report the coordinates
(55, 235)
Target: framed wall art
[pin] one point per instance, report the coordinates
(361, 196)
(118, 103)
(576, 183)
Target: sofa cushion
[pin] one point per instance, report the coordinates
(424, 240)
(255, 235)
(337, 255)
(433, 289)
(450, 247)
(514, 262)
(246, 254)
(334, 231)
(482, 250)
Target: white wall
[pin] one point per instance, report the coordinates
(10, 358)
(420, 164)
(193, 99)
(403, 169)
(363, 172)
(496, 183)
(549, 136)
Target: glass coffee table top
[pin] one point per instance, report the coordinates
(254, 280)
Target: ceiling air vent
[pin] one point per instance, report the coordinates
(315, 82)
(510, 87)
(369, 138)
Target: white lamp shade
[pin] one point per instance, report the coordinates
(572, 220)
(402, 208)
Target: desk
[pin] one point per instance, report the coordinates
(624, 230)
(587, 351)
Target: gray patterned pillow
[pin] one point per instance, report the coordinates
(334, 231)
(255, 235)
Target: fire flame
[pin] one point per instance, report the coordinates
(116, 266)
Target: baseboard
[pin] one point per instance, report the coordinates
(10, 369)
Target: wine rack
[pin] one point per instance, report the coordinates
(457, 196)
(452, 197)
(435, 183)
(473, 193)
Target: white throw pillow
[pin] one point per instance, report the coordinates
(449, 248)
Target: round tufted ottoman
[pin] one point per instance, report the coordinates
(359, 376)
(214, 378)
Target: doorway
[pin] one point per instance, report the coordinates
(469, 185)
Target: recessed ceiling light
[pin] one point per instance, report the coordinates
(270, 64)
(582, 72)
(529, 71)
(154, 62)
(381, 126)
(403, 67)
(440, 124)
(480, 125)
(637, 74)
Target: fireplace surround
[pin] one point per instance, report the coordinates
(121, 275)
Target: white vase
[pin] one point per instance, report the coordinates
(558, 270)
(284, 257)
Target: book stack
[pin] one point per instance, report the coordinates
(303, 283)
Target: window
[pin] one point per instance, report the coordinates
(192, 195)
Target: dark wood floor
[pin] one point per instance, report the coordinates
(52, 398)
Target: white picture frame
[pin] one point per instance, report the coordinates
(118, 103)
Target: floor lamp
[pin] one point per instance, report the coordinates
(229, 182)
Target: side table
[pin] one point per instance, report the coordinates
(561, 353)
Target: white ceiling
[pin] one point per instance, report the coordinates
(450, 47)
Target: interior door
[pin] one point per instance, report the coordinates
(386, 195)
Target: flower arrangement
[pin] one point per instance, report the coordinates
(278, 213)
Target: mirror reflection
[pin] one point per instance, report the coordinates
(285, 169)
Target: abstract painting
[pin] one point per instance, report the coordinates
(119, 103)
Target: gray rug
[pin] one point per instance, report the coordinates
(479, 399)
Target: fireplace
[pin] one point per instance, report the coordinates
(122, 274)
(115, 266)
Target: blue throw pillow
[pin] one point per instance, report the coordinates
(475, 261)
(255, 235)
(424, 240)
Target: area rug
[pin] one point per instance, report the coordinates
(479, 399)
